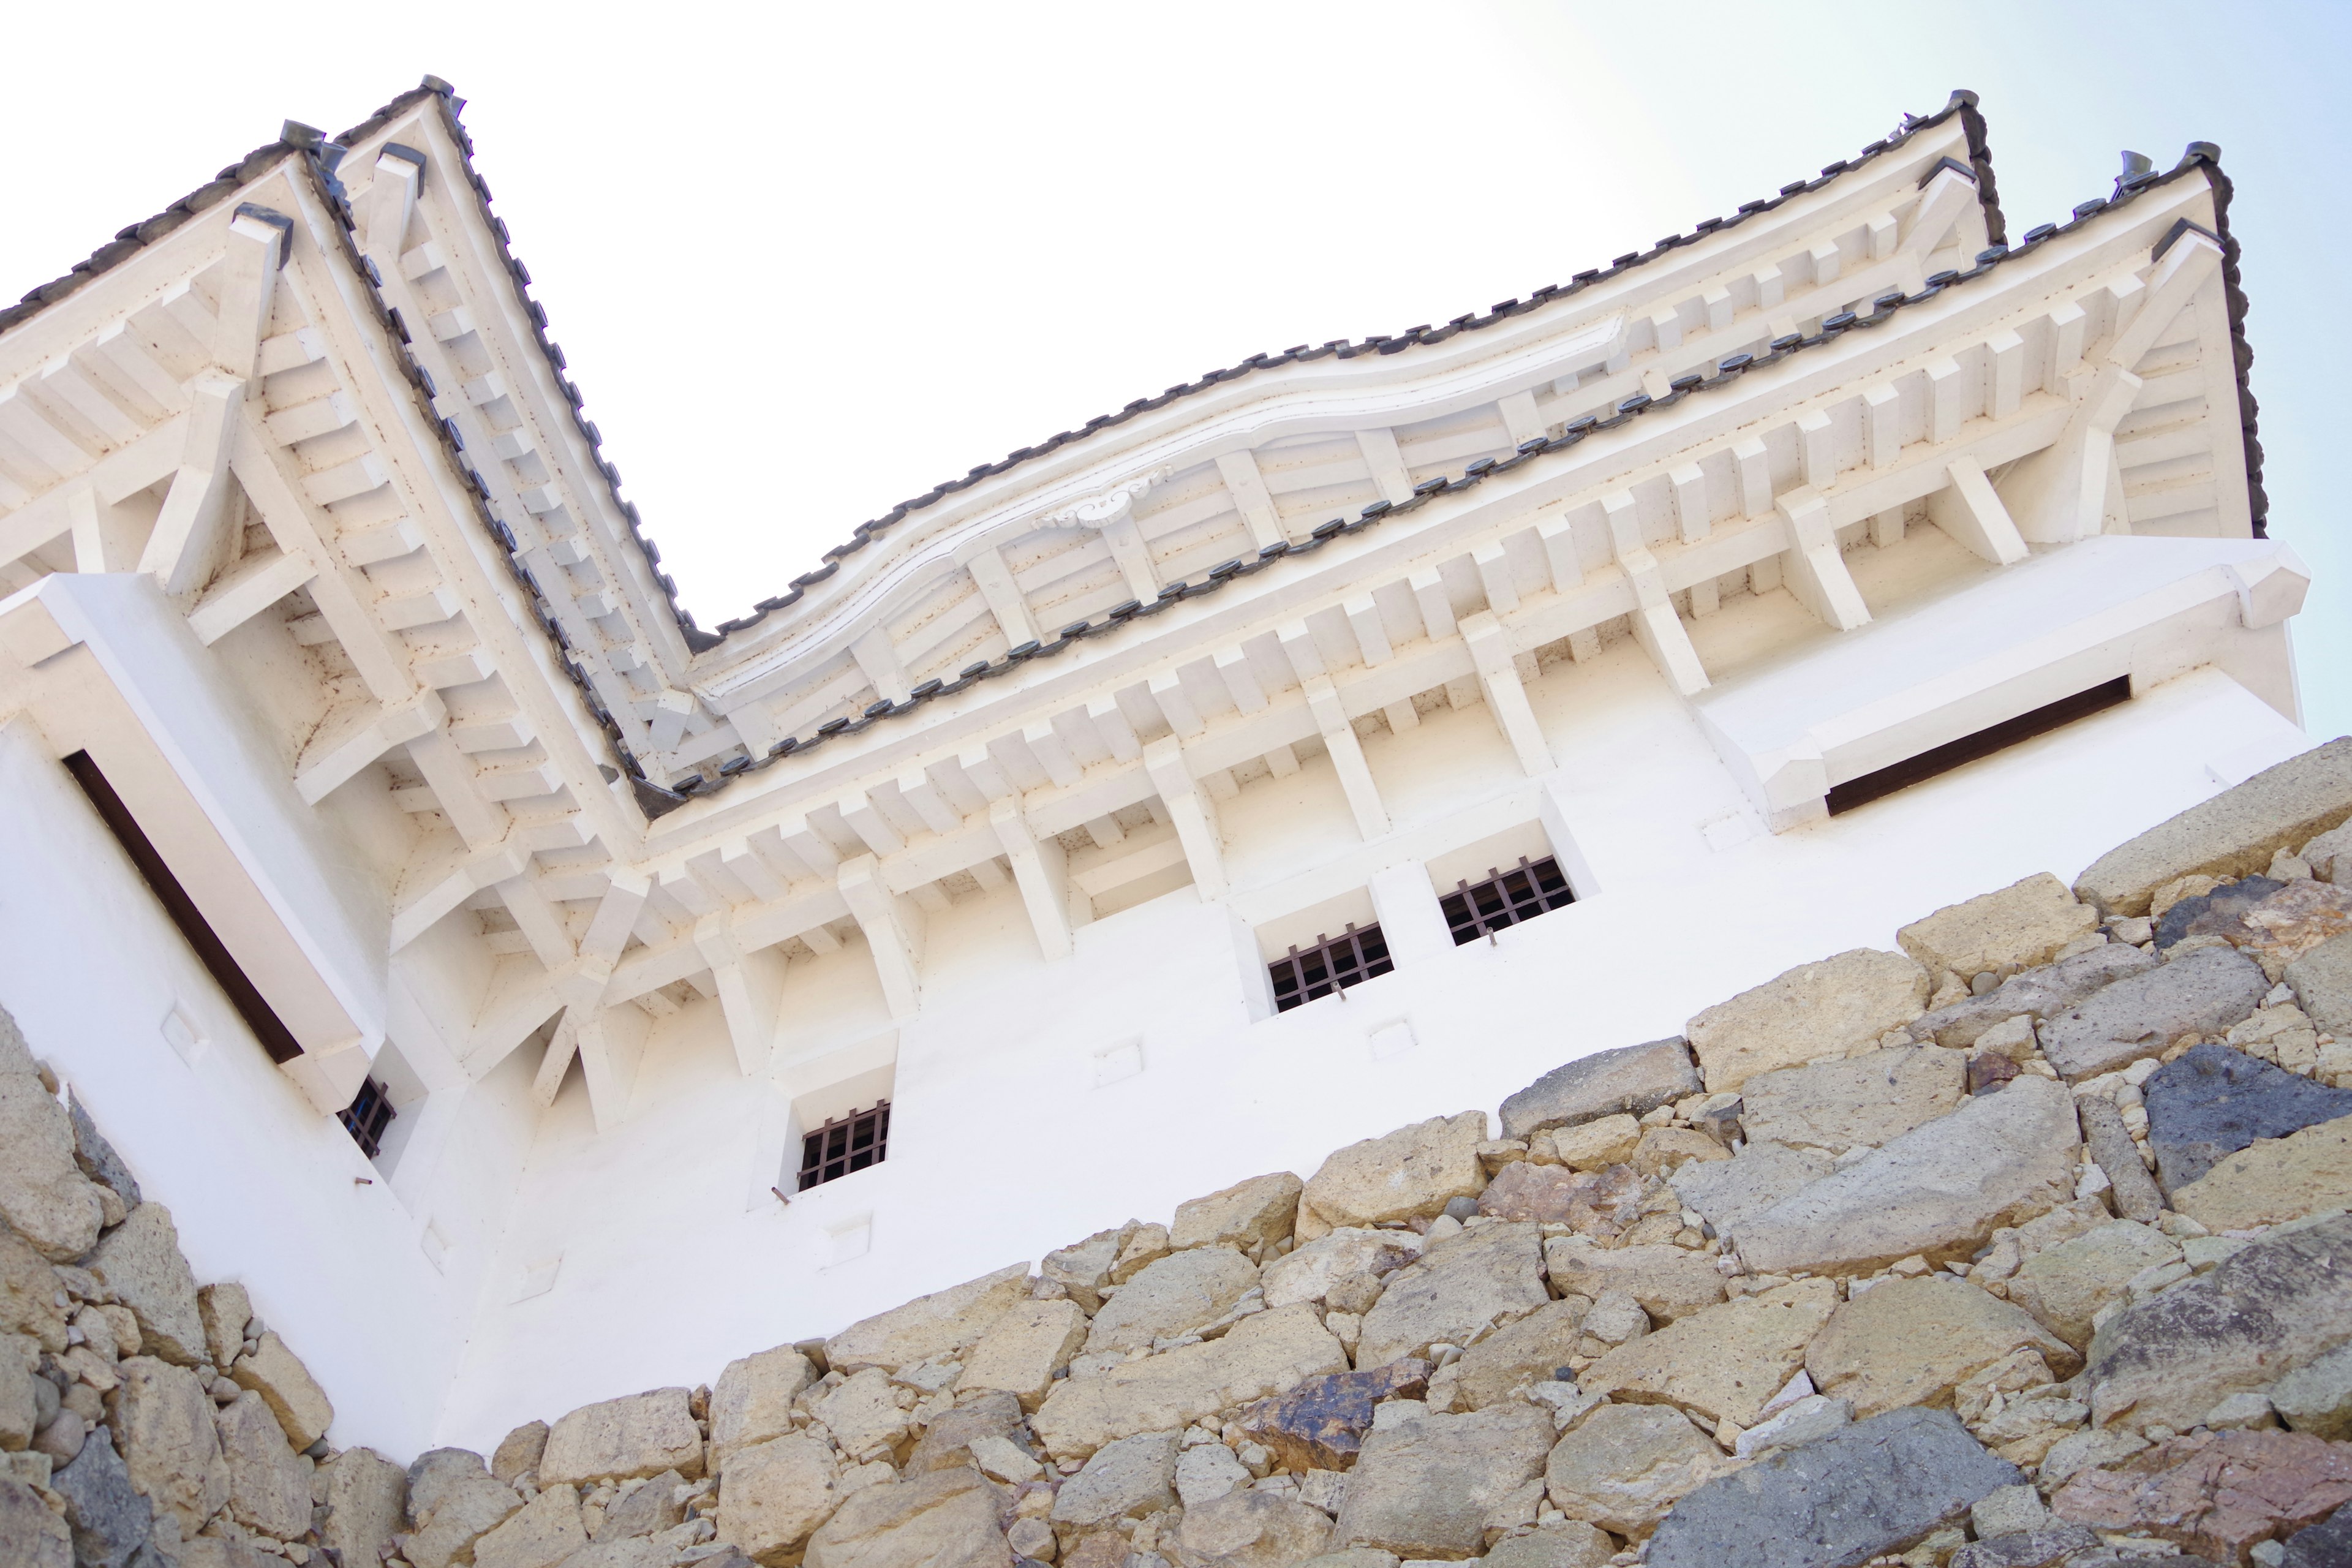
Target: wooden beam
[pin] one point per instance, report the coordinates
(1041, 871)
(894, 933)
(1386, 463)
(1003, 596)
(421, 910)
(1250, 498)
(1348, 761)
(1506, 698)
(1754, 463)
(1133, 557)
(1521, 417)
(186, 532)
(1194, 814)
(1493, 565)
(1972, 513)
(1694, 513)
(1881, 426)
(750, 990)
(556, 1060)
(1817, 573)
(1241, 681)
(256, 249)
(252, 587)
(332, 759)
(879, 659)
(611, 1043)
(2186, 266)
(2059, 494)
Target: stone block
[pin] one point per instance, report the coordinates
(1663, 1148)
(1207, 1471)
(1724, 1362)
(1412, 1173)
(1171, 1298)
(1247, 1215)
(2280, 1303)
(2213, 1101)
(751, 1402)
(867, 1416)
(1811, 1012)
(1251, 1529)
(2047, 1547)
(1457, 1291)
(1124, 1480)
(363, 1493)
(43, 1192)
(644, 1508)
(2035, 994)
(1566, 1543)
(1518, 1355)
(1864, 1100)
(109, 1518)
(1627, 1464)
(2134, 1192)
(2066, 1286)
(140, 1261)
(1670, 1283)
(1597, 1145)
(269, 1486)
(2316, 1397)
(1083, 1267)
(934, 1325)
(1320, 1425)
(2202, 992)
(28, 1294)
(641, 1434)
(947, 1439)
(1728, 1193)
(2216, 1493)
(1939, 1191)
(518, 1452)
(947, 1518)
(1349, 1254)
(2321, 982)
(2275, 1180)
(456, 1515)
(438, 1474)
(1145, 1245)
(2232, 835)
(2273, 924)
(98, 1158)
(1424, 1486)
(30, 1535)
(286, 1385)
(543, 1533)
(2022, 925)
(1911, 1342)
(224, 1309)
(2328, 1544)
(1864, 1491)
(163, 1419)
(773, 1495)
(1262, 1354)
(1805, 1420)
(1555, 1195)
(1026, 1348)
(1629, 1080)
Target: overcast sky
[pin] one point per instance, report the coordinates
(808, 261)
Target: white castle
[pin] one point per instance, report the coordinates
(532, 997)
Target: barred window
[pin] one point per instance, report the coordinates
(366, 1117)
(1505, 898)
(1333, 963)
(844, 1143)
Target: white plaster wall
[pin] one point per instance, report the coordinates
(1002, 1147)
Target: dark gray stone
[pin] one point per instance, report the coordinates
(2217, 913)
(2026, 1548)
(1631, 1078)
(2044, 993)
(1876, 1486)
(2215, 1100)
(110, 1520)
(97, 1157)
(2133, 1190)
(2328, 1544)
(2202, 994)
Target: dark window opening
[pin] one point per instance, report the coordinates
(369, 1113)
(210, 950)
(844, 1143)
(1967, 749)
(1333, 963)
(1505, 898)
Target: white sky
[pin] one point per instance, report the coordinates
(808, 261)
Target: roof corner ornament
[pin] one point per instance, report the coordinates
(1111, 513)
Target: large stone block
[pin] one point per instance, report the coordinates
(2203, 993)
(2275, 1180)
(1939, 1190)
(543, 1533)
(30, 1535)
(944, 1520)
(2273, 924)
(164, 1420)
(2037, 994)
(1246, 1215)
(2235, 834)
(2066, 1286)
(98, 1158)
(269, 1486)
(286, 1385)
(1251, 1529)
(453, 1507)
(43, 1192)
(1868, 1488)
(1725, 1362)
(641, 1434)
(1534, 1349)
(2019, 927)
(1028, 1347)
(1263, 1354)
(2216, 1493)
(1728, 1193)
(2328, 1544)
(867, 1416)
(2316, 1397)
(1912, 1342)
(2280, 1303)
(1862, 1100)
(1172, 1297)
(28, 1294)
(773, 1495)
(1125, 1480)
(1424, 1486)
(1813, 1011)
(1566, 1543)
(1670, 1283)
(948, 1440)
(1457, 1291)
(1630, 1079)
(2214, 1102)
(364, 1495)
(1320, 1423)
(2131, 1190)
(109, 1518)
(1626, 1465)
(752, 1400)
(140, 1261)
(938, 1324)
(1348, 1259)
(1555, 1195)
(1413, 1172)
(224, 1309)
(2321, 982)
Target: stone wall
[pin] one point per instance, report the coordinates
(2022, 1244)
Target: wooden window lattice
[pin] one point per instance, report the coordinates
(366, 1117)
(844, 1143)
(1505, 898)
(1333, 963)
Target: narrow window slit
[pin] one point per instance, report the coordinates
(844, 1143)
(1333, 963)
(1967, 749)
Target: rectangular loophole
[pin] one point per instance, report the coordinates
(210, 950)
(843, 1144)
(1505, 898)
(367, 1116)
(1967, 749)
(1333, 963)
